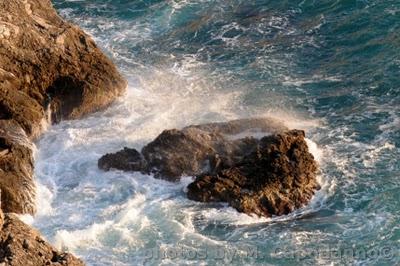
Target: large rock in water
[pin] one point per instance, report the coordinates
(258, 166)
(194, 149)
(275, 179)
(49, 70)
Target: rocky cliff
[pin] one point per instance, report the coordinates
(46, 65)
(49, 70)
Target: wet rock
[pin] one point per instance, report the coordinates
(16, 169)
(257, 166)
(194, 149)
(278, 177)
(127, 160)
(22, 245)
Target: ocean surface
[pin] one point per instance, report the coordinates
(331, 67)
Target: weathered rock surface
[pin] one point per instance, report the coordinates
(49, 70)
(16, 169)
(258, 166)
(278, 177)
(194, 149)
(45, 64)
(22, 245)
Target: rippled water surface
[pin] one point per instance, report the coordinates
(331, 67)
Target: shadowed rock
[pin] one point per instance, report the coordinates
(127, 160)
(275, 179)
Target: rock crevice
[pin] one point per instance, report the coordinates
(63, 97)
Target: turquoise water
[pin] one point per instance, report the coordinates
(331, 67)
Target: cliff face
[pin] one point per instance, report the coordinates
(49, 70)
(45, 64)
(16, 169)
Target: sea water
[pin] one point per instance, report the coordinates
(331, 67)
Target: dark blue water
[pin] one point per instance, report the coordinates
(331, 67)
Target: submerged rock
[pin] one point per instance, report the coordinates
(258, 166)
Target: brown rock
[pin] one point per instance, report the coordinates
(45, 60)
(127, 160)
(16, 169)
(48, 68)
(271, 175)
(275, 179)
(46, 64)
(22, 245)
